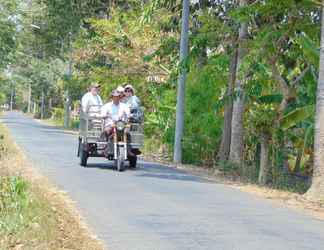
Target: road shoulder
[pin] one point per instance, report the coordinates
(57, 224)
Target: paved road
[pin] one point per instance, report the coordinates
(159, 208)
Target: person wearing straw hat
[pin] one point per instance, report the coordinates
(92, 98)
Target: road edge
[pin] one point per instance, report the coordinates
(57, 198)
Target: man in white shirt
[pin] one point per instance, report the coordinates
(114, 111)
(92, 98)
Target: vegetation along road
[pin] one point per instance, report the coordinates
(157, 207)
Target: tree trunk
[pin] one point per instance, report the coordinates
(316, 191)
(202, 56)
(225, 145)
(264, 160)
(236, 148)
(29, 98)
(67, 105)
(177, 157)
(42, 115)
(11, 97)
(283, 87)
(298, 160)
(50, 105)
(34, 108)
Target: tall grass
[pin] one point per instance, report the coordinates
(32, 215)
(14, 199)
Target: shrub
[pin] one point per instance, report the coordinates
(58, 114)
(13, 199)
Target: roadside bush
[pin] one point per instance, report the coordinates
(58, 114)
(203, 127)
(2, 146)
(13, 200)
(37, 115)
(75, 123)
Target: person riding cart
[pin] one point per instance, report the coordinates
(134, 104)
(113, 135)
(91, 101)
(114, 111)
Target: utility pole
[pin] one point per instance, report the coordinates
(177, 156)
(67, 103)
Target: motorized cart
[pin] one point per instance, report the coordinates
(124, 144)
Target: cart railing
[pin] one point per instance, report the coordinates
(136, 135)
(92, 125)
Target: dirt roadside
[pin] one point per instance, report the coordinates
(58, 224)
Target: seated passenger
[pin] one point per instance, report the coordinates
(134, 104)
(130, 98)
(92, 98)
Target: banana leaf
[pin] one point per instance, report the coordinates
(310, 49)
(268, 99)
(293, 118)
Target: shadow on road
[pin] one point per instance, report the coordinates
(153, 170)
(103, 166)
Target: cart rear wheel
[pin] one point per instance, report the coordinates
(83, 156)
(132, 161)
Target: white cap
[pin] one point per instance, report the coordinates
(120, 89)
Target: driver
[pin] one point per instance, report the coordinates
(114, 111)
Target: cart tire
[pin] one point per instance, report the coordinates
(132, 161)
(83, 156)
(120, 160)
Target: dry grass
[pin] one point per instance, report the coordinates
(50, 219)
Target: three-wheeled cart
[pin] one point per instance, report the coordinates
(124, 144)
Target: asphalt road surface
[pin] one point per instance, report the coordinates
(160, 208)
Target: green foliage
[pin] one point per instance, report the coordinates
(296, 116)
(58, 114)
(7, 30)
(310, 49)
(3, 98)
(160, 123)
(270, 99)
(204, 129)
(13, 200)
